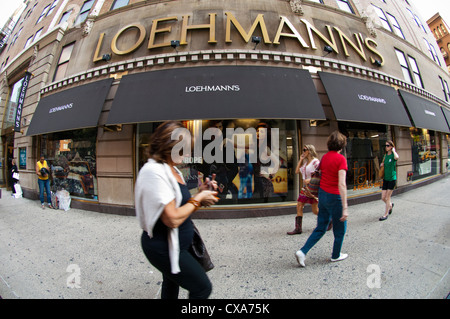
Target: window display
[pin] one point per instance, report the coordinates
(72, 159)
(448, 150)
(424, 152)
(364, 153)
(251, 158)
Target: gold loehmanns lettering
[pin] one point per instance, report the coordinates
(211, 88)
(161, 27)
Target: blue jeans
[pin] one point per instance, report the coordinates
(245, 182)
(44, 184)
(330, 209)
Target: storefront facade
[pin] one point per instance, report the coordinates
(289, 71)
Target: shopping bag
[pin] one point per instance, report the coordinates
(64, 199)
(18, 190)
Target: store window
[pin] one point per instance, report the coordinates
(364, 153)
(247, 176)
(424, 150)
(72, 158)
(448, 150)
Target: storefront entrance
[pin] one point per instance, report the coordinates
(8, 155)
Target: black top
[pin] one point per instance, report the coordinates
(185, 230)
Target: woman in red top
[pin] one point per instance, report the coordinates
(332, 199)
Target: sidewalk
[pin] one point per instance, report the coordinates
(82, 254)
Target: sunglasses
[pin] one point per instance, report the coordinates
(305, 149)
(387, 145)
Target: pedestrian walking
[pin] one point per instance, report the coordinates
(164, 207)
(43, 173)
(332, 199)
(307, 165)
(14, 176)
(390, 178)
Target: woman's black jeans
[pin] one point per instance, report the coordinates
(192, 276)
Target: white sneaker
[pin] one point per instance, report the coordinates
(300, 258)
(341, 257)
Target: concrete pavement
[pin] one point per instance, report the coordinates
(82, 254)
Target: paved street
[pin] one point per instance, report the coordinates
(81, 254)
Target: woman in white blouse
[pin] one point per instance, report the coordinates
(306, 166)
(163, 207)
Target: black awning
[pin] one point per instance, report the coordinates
(424, 113)
(75, 108)
(217, 92)
(359, 100)
(447, 115)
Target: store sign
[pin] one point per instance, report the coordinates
(60, 108)
(23, 92)
(212, 88)
(430, 113)
(365, 48)
(368, 98)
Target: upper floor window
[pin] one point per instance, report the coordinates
(445, 89)
(63, 62)
(119, 4)
(65, 16)
(84, 12)
(432, 51)
(38, 34)
(383, 18)
(14, 39)
(417, 20)
(29, 12)
(43, 14)
(416, 72)
(53, 5)
(397, 30)
(345, 6)
(404, 64)
(410, 68)
(29, 40)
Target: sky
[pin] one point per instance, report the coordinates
(426, 8)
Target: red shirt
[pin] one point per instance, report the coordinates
(330, 165)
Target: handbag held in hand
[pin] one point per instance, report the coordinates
(198, 250)
(312, 189)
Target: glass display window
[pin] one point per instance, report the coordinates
(72, 159)
(448, 150)
(424, 152)
(364, 153)
(251, 158)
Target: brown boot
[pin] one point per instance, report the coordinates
(298, 226)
